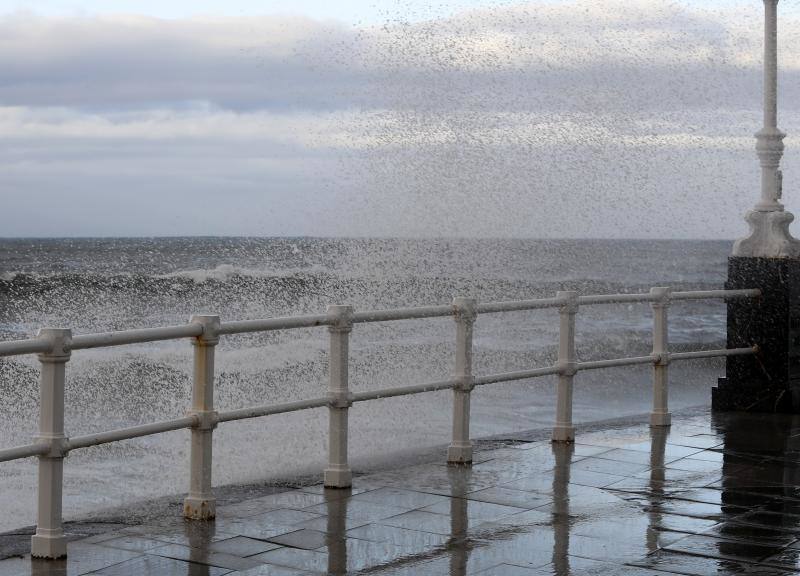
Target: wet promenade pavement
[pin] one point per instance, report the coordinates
(714, 495)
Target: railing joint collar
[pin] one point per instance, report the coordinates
(567, 368)
(662, 296)
(340, 318)
(58, 445)
(343, 399)
(211, 325)
(661, 358)
(465, 309)
(60, 340)
(465, 384)
(569, 301)
(204, 419)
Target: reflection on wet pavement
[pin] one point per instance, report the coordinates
(715, 494)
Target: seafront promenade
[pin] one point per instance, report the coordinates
(713, 494)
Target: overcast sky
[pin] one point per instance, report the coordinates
(584, 118)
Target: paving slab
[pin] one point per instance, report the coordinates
(271, 570)
(509, 570)
(242, 546)
(204, 556)
(509, 497)
(81, 559)
(304, 538)
(404, 537)
(409, 499)
(160, 566)
(358, 509)
(132, 543)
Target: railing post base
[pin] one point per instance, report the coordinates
(660, 419)
(460, 449)
(199, 508)
(51, 547)
(335, 478)
(338, 473)
(459, 454)
(564, 434)
(49, 543)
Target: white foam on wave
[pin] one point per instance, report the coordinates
(225, 272)
(220, 273)
(13, 275)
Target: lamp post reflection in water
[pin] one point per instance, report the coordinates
(760, 472)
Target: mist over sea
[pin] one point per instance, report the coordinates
(93, 285)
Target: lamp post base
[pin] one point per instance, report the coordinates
(768, 381)
(769, 236)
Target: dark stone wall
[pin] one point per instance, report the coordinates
(770, 380)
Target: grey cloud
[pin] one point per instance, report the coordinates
(645, 55)
(585, 119)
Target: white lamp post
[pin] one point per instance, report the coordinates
(768, 259)
(769, 222)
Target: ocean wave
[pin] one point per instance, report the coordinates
(98, 302)
(220, 274)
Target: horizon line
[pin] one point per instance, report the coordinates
(365, 237)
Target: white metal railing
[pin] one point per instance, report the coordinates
(54, 347)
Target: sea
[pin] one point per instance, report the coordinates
(103, 284)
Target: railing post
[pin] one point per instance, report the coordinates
(564, 431)
(338, 474)
(49, 540)
(460, 449)
(660, 415)
(200, 503)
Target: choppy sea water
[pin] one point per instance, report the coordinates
(93, 285)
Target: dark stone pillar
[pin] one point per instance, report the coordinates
(770, 380)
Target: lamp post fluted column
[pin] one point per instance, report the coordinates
(769, 222)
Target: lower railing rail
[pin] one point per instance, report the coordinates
(54, 347)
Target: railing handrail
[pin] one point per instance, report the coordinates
(55, 346)
(105, 437)
(190, 330)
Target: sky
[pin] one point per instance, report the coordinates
(349, 11)
(548, 118)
